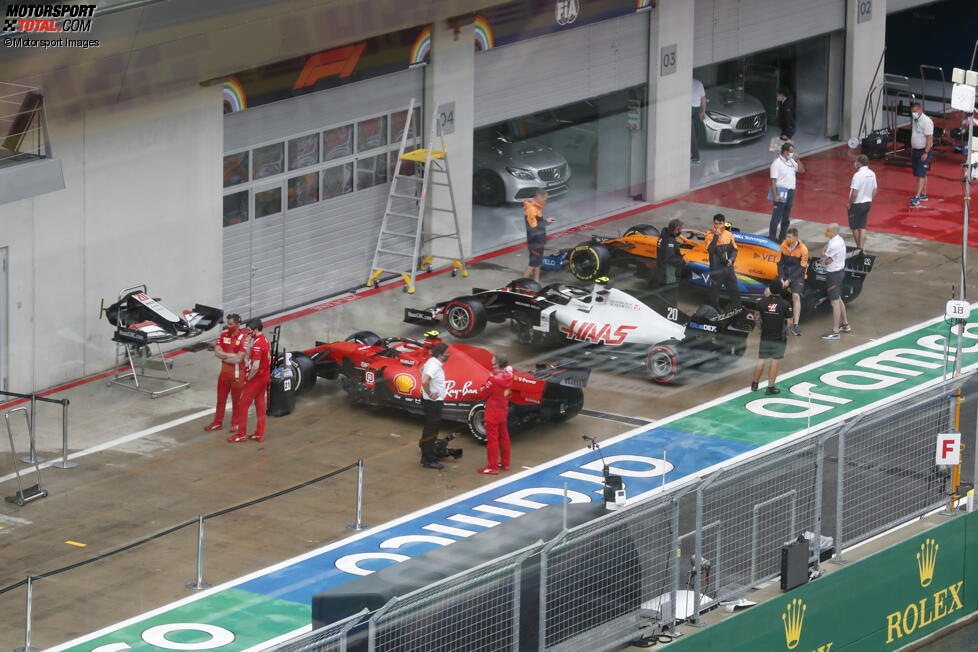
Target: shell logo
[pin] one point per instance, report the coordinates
(404, 383)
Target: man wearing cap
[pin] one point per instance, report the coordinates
(722, 249)
(669, 261)
(775, 315)
(432, 399)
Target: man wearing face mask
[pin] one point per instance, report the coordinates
(784, 171)
(921, 144)
(792, 267)
(786, 115)
(670, 262)
(862, 192)
(722, 248)
(834, 261)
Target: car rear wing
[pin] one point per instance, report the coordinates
(421, 316)
(860, 263)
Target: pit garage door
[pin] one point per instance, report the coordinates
(727, 29)
(533, 75)
(305, 185)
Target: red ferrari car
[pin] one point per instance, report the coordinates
(387, 372)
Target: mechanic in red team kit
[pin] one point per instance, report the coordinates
(230, 381)
(497, 391)
(776, 316)
(259, 363)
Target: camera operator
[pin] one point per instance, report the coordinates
(497, 391)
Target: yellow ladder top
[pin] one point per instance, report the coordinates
(421, 154)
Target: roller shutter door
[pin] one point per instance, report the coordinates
(549, 71)
(308, 252)
(727, 29)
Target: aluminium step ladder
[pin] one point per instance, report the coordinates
(402, 237)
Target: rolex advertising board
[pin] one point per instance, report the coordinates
(882, 602)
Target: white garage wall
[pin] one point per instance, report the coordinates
(726, 29)
(141, 204)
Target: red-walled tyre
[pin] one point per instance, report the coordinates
(465, 317)
(662, 362)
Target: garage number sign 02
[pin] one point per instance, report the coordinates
(668, 60)
(865, 11)
(446, 118)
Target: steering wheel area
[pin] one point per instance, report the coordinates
(402, 345)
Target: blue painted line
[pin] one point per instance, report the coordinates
(686, 452)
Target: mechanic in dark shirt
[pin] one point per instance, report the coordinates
(792, 267)
(723, 252)
(776, 316)
(670, 262)
(786, 115)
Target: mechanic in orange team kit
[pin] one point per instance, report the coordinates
(228, 381)
(497, 390)
(723, 252)
(792, 267)
(259, 362)
(536, 232)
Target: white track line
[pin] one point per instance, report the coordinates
(116, 442)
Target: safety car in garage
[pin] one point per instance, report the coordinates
(756, 265)
(598, 319)
(733, 116)
(508, 168)
(387, 372)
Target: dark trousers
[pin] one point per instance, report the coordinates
(432, 424)
(694, 137)
(668, 278)
(780, 217)
(727, 278)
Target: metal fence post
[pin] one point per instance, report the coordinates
(839, 497)
(359, 525)
(674, 561)
(697, 556)
(32, 457)
(199, 583)
(27, 647)
(819, 461)
(64, 463)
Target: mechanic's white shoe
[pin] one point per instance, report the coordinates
(831, 335)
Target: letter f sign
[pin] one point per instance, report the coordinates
(340, 62)
(949, 448)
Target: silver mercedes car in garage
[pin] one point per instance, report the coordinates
(508, 170)
(733, 116)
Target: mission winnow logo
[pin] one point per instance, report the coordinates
(34, 18)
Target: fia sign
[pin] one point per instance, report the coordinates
(566, 11)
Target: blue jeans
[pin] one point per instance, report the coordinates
(780, 217)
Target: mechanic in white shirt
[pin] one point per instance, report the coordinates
(697, 116)
(834, 262)
(862, 192)
(784, 169)
(921, 144)
(432, 399)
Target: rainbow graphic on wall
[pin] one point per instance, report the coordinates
(421, 50)
(484, 40)
(234, 96)
(644, 4)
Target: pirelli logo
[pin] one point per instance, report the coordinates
(48, 18)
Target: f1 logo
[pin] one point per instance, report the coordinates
(340, 62)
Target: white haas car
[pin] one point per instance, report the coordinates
(665, 340)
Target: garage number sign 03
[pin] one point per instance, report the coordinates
(668, 60)
(446, 118)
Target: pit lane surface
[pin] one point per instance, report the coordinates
(123, 494)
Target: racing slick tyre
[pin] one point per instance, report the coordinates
(477, 422)
(465, 317)
(851, 288)
(525, 285)
(488, 188)
(303, 371)
(588, 262)
(643, 229)
(662, 361)
(369, 338)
